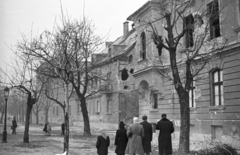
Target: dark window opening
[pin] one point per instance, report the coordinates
(130, 59)
(124, 74)
(143, 46)
(108, 76)
(131, 70)
(189, 25)
(214, 19)
(125, 87)
(155, 98)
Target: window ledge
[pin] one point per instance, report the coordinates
(221, 107)
(153, 110)
(192, 108)
(109, 114)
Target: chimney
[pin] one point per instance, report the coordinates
(125, 28)
(108, 43)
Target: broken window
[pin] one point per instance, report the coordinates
(131, 70)
(214, 19)
(124, 74)
(189, 25)
(143, 46)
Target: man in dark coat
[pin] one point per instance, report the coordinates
(121, 139)
(165, 128)
(14, 125)
(147, 135)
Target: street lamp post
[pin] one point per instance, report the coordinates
(6, 95)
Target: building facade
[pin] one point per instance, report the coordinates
(134, 67)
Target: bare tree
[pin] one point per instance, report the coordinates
(67, 52)
(195, 54)
(24, 79)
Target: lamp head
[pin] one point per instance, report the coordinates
(6, 92)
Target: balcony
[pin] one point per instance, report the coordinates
(106, 88)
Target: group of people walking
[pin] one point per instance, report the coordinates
(136, 138)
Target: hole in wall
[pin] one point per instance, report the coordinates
(124, 74)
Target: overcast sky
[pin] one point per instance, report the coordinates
(24, 16)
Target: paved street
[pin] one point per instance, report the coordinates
(48, 145)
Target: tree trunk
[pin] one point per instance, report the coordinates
(27, 122)
(185, 123)
(31, 114)
(23, 113)
(66, 136)
(37, 118)
(87, 130)
(184, 103)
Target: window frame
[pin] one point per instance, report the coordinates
(98, 107)
(212, 32)
(189, 38)
(219, 84)
(108, 107)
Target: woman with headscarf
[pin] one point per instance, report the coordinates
(102, 143)
(121, 139)
(135, 134)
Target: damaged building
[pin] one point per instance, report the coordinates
(135, 69)
(135, 74)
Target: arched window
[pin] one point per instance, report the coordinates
(143, 46)
(216, 78)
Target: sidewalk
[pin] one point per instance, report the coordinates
(48, 145)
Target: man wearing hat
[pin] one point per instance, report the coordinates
(165, 127)
(147, 138)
